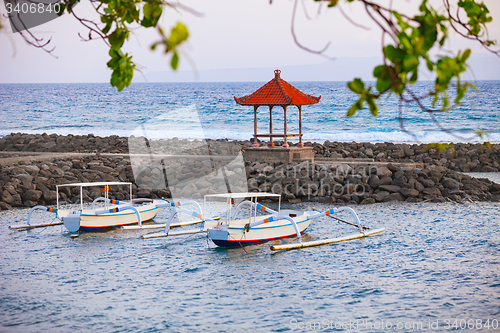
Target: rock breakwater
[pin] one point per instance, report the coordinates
(387, 172)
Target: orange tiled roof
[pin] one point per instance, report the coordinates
(277, 92)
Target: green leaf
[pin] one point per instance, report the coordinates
(410, 62)
(430, 65)
(394, 54)
(123, 69)
(62, 6)
(352, 110)
(414, 77)
(384, 80)
(481, 133)
(435, 100)
(117, 38)
(372, 106)
(439, 146)
(477, 14)
(106, 29)
(466, 55)
(175, 61)
(356, 86)
(152, 13)
(178, 34)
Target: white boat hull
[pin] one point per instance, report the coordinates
(89, 221)
(237, 235)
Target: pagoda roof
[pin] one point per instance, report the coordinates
(277, 92)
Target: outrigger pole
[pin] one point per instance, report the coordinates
(325, 241)
(31, 226)
(330, 212)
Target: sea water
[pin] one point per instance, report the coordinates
(101, 110)
(436, 265)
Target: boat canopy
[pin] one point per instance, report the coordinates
(243, 195)
(106, 190)
(95, 184)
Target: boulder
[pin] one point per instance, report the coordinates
(393, 168)
(383, 181)
(419, 187)
(5, 206)
(343, 169)
(450, 183)
(427, 182)
(265, 187)
(31, 169)
(432, 191)
(383, 171)
(25, 178)
(469, 166)
(32, 195)
(11, 189)
(102, 168)
(409, 192)
(487, 168)
(398, 154)
(7, 197)
(390, 188)
(394, 197)
(17, 201)
(494, 187)
(45, 173)
(367, 201)
(380, 195)
(455, 197)
(400, 181)
(373, 179)
(49, 196)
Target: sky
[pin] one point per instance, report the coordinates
(231, 41)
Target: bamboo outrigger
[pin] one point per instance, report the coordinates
(115, 213)
(234, 230)
(261, 224)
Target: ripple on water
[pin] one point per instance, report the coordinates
(434, 261)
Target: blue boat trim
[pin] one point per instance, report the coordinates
(119, 214)
(114, 226)
(265, 226)
(109, 227)
(242, 242)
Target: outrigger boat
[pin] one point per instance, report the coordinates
(115, 213)
(261, 224)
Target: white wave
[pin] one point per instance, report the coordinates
(401, 137)
(191, 132)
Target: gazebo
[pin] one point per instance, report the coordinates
(277, 92)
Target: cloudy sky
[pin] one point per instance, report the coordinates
(231, 41)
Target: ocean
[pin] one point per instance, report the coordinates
(436, 268)
(100, 109)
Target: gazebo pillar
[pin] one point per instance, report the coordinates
(271, 143)
(255, 142)
(300, 145)
(285, 144)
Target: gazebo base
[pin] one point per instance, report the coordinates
(278, 154)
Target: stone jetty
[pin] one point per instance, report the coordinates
(31, 165)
